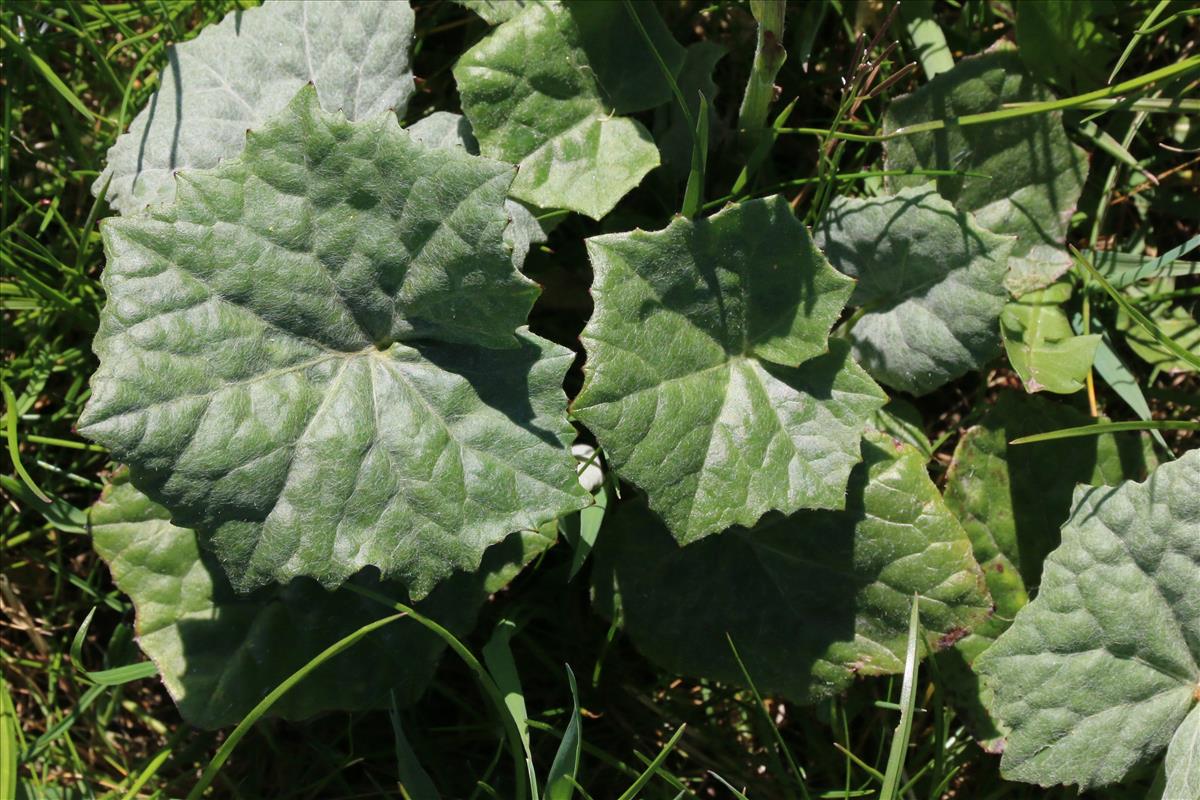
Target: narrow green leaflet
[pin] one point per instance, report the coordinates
(1041, 345)
(292, 358)
(1173, 319)
(811, 600)
(710, 380)
(1034, 173)
(1011, 500)
(220, 652)
(236, 74)
(534, 100)
(930, 283)
(1100, 671)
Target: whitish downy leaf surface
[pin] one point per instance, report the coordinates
(220, 652)
(1034, 174)
(493, 12)
(1041, 344)
(236, 74)
(292, 358)
(1100, 671)
(1011, 500)
(811, 600)
(532, 94)
(710, 380)
(930, 281)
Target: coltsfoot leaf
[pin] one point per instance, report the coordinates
(1100, 671)
(236, 74)
(811, 600)
(220, 652)
(1033, 173)
(294, 358)
(710, 380)
(930, 281)
(534, 100)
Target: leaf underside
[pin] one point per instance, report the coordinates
(534, 100)
(220, 652)
(931, 280)
(710, 381)
(296, 358)
(1099, 671)
(811, 600)
(1033, 173)
(236, 74)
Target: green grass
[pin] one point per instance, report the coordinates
(74, 76)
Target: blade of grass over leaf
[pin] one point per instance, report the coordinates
(210, 771)
(908, 703)
(652, 768)
(107, 677)
(1141, 319)
(562, 779)
(497, 655)
(1111, 427)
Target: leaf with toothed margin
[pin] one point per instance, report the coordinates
(446, 129)
(534, 100)
(1101, 671)
(810, 600)
(930, 283)
(711, 381)
(1030, 175)
(220, 652)
(236, 74)
(1011, 500)
(309, 358)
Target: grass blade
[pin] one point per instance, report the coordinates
(1110, 427)
(9, 745)
(762, 708)
(497, 655)
(693, 194)
(908, 704)
(243, 727)
(564, 770)
(1138, 316)
(107, 677)
(415, 783)
(653, 766)
(46, 71)
(14, 450)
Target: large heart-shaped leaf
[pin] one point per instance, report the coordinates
(291, 359)
(810, 600)
(930, 282)
(1041, 344)
(701, 382)
(1100, 671)
(220, 652)
(534, 100)
(1029, 175)
(1012, 499)
(236, 74)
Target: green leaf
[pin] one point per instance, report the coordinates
(547, 114)
(564, 770)
(1034, 173)
(1041, 345)
(813, 599)
(930, 281)
(291, 359)
(1099, 672)
(1183, 759)
(901, 420)
(710, 380)
(1011, 501)
(1061, 44)
(219, 652)
(238, 73)
(494, 12)
(1172, 318)
(445, 129)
